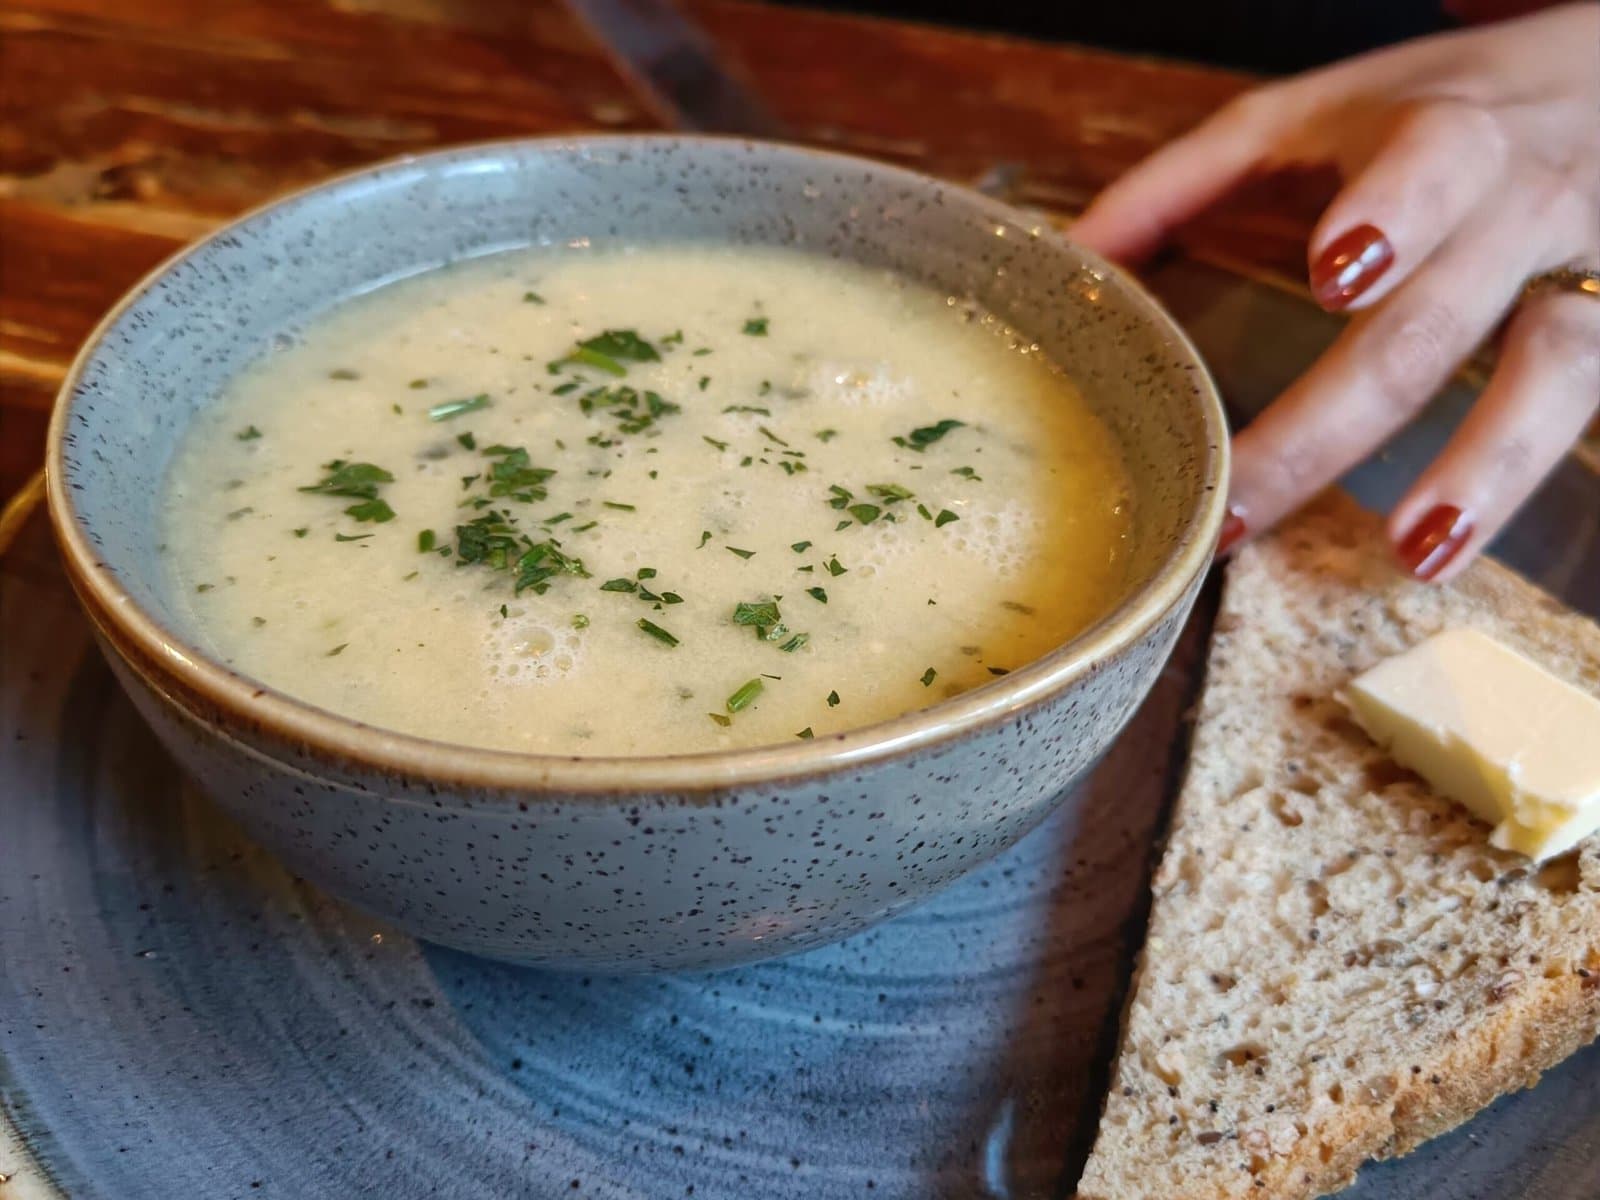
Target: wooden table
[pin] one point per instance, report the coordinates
(129, 127)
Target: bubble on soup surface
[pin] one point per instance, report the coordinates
(523, 648)
(1002, 538)
(855, 388)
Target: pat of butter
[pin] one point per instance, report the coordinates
(1493, 731)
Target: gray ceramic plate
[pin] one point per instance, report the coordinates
(180, 1018)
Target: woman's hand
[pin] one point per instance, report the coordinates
(1471, 162)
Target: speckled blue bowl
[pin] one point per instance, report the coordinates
(612, 864)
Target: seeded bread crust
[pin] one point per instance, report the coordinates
(1339, 966)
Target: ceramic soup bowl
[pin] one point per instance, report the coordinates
(618, 864)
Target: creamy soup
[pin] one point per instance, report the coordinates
(656, 502)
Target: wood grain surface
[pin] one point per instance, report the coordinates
(130, 127)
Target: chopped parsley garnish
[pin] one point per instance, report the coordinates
(202, 587)
(806, 733)
(800, 547)
(770, 436)
(343, 373)
(371, 510)
(608, 351)
(865, 513)
(756, 326)
(655, 631)
(619, 585)
(302, 531)
(746, 554)
(454, 408)
(826, 435)
(845, 524)
(763, 614)
(820, 595)
(720, 719)
(248, 434)
(834, 567)
(794, 643)
(968, 473)
(929, 676)
(705, 536)
(841, 496)
(925, 512)
(532, 298)
(468, 442)
(241, 512)
(515, 476)
(567, 388)
(702, 352)
(675, 338)
(833, 699)
(351, 479)
(635, 411)
(1014, 606)
(741, 699)
(713, 441)
(417, 385)
(705, 382)
(671, 598)
(619, 505)
(645, 573)
(890, 493)
(337, 650)
(748, 408)
(944, 518)
(579, 621)
(920, 439)
(426, 541)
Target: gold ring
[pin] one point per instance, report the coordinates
(1584, 281)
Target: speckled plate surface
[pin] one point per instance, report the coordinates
(181, 1018)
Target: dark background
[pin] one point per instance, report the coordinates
(1259, 35)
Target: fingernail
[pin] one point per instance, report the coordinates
(1233, 532)
(1349, 265)
(1434, 541)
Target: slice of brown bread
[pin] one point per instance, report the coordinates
(1338, 965)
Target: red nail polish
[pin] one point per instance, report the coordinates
(1434, 541)
(1233, 532)
(1349, 265)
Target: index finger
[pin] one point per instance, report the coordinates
(1133, 215)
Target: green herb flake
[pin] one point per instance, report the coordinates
(619, 505)
(818, 594)
(865, 513)
(833, 699)
(360, 480)
(468, 442)
(794, 643)
(371, 510)
(567, 388)
(707, 438)
(454, 408)
(770, 436)
(675, 338)
(504, 612)
(748, 408)
(890, 493)
(800, 547)
(645, 573)
(944, 518)
(248, 434)
(352, 537)
(417, 385)
(805, 734)
(761, 613)
(929, 676)
(705, 382)
(619, 585)
(756, 326)
(202, 588)
(671, 598)
(834, 567)
(720, 719)
(745, 554)
(705, 536)
(532, 298)
(344, 373)
(841, 525)
(426, 541)
(826, 435)
(258, 622)
(302, 531)
(968, 473)
(655, 631)
(925, 512)
(742, 698)
(841, 496)
(920, 439)
(579, 621)
(337, 650)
